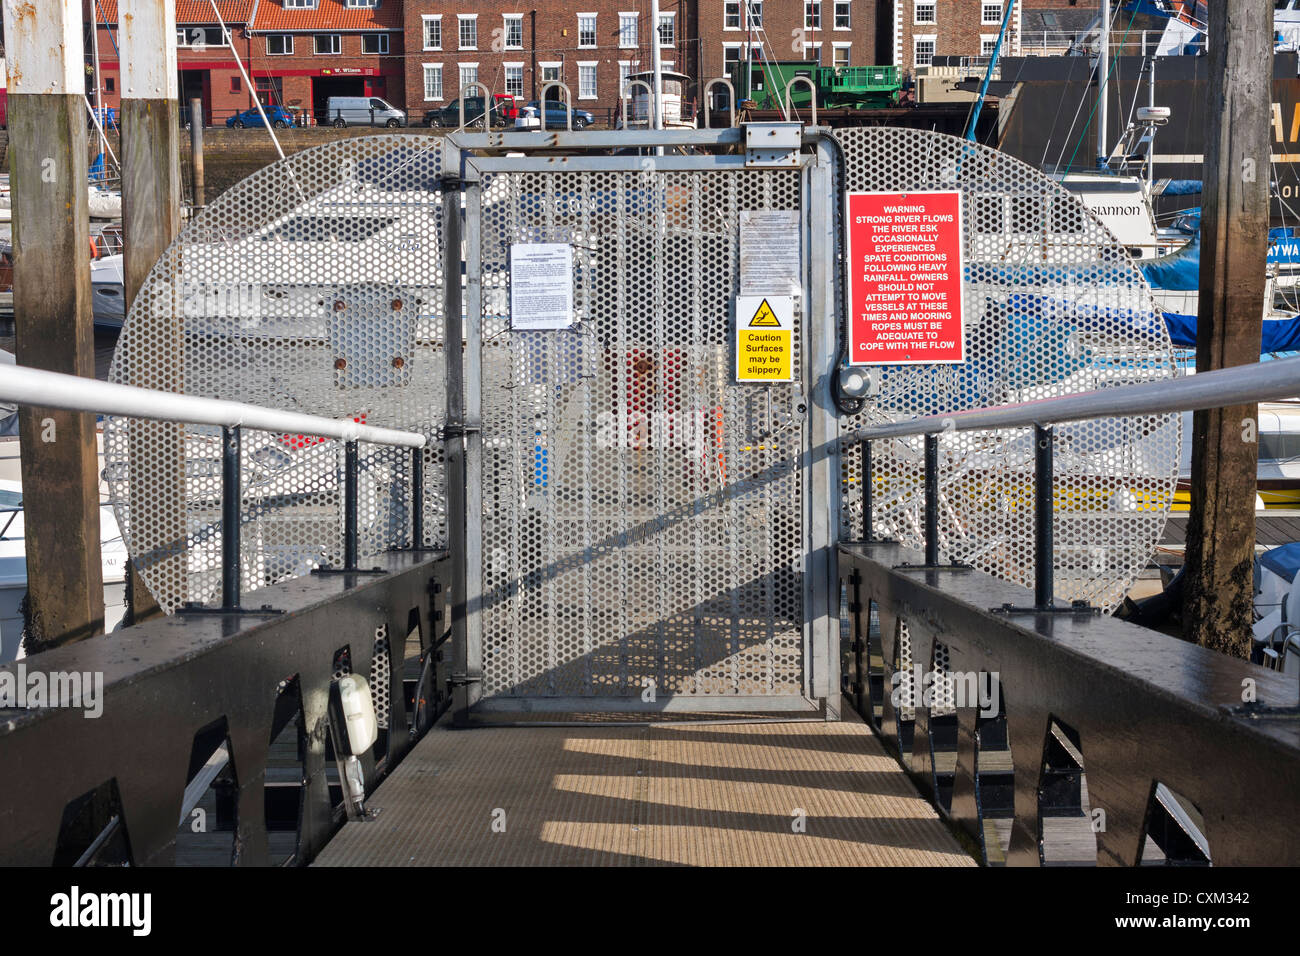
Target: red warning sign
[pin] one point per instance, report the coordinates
(905, 278)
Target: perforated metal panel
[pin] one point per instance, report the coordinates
(1053, 305)
(315, 285)
(642, 513)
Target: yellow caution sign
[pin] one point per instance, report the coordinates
(764, 318)
(764, 338)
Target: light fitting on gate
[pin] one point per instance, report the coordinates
(857, 383)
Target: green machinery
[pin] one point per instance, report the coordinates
(846, 87)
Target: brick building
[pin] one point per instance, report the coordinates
(297, 52)
(831, 32)
(923, 29)
(302, 52)
(590, 45)
(207, 68)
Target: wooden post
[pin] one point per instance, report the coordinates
(1219, 595)
(52, 315)
(151, 193)
(196, 150)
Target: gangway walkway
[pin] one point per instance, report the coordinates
(707, 794)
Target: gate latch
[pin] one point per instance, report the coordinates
(769, 145)
(462, 679)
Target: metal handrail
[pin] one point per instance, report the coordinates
(33, 386)
(1239, 385)
(1243, 384)
(45, 389)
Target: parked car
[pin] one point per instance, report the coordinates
(278, 117)
(343, 111)
(555, 118)
(449, 115)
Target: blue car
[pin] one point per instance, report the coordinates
(278, 117)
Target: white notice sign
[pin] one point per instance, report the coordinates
(541, 285)
(769, 252)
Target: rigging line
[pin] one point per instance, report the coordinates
(1101, 90)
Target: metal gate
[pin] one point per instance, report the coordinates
(639, 525)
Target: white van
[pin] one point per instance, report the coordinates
(362, 111)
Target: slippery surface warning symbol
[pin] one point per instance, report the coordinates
(764, 338)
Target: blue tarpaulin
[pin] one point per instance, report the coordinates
(1281, 334)
(1180, 271)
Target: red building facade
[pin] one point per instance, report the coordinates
(297, 53)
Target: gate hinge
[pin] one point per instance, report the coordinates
(769, 145)
(460, 680)
(451, 181)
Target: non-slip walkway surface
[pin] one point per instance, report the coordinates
(810, 794)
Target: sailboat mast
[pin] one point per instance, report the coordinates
(657, 63)
(1151, 146)
(1103, 71)
(94, 54)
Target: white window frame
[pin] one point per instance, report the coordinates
(337, 44)
(595, 31)
(556, 65)
(461, 19)
(835, 14)
(755, 6)
(811, 9)
(505, 72)
(460, 78)
(384, 43)
(740, 7)
(624, 71)
(361, 4)
(984, 8)
(672, 19)
(929, 5)
(848, 53)
(626, 40)
(506, 19)
(300, 4)
(594, 65)
(989, 40)
(812, 45)
(920, 38)
(425, 20)
(285, 38)
(442, 88)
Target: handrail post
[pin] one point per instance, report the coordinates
(1043, 505)
(231, 501)
(866, 490)
(350, 506)
(932, 501)
(417, 498)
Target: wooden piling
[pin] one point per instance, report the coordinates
(53, 324)
(196, 150)
(1219, 594)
